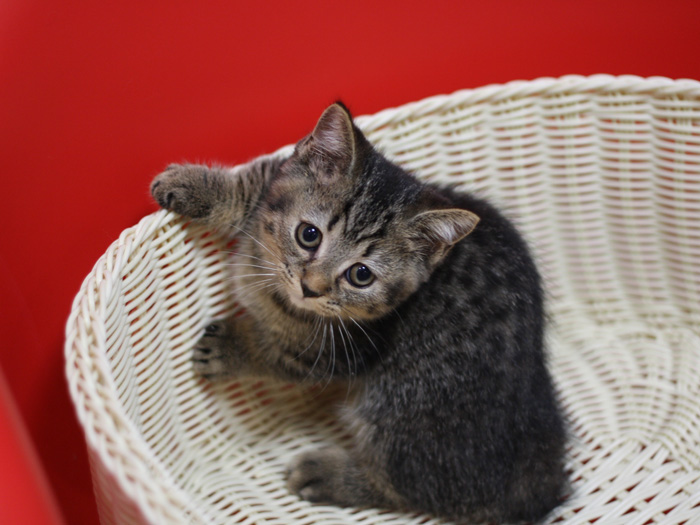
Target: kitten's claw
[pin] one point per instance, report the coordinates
(210, 356)
(211, 330)
(181, 188)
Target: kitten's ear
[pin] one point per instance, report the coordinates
(436, 231)
(333, 140)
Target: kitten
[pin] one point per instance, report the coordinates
(423, 300)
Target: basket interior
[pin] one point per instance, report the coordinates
(605, 185)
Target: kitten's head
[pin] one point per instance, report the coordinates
(352, 234)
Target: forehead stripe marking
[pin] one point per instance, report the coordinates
(334, 220)
(369, 250)
(381, 232)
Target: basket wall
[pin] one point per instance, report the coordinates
(602, 174)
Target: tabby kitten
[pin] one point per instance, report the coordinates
(423, 300)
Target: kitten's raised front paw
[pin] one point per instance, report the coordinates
(317, 476)
(183, 188)
(211, 356)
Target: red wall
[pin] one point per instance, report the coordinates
(97, 97)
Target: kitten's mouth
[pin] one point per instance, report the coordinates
(303, 303)
(291, 307)
(307, 305)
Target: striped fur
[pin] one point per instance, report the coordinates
(424, 302)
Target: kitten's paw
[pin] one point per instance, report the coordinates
(211, 355)
(316, 476)
(182, 188)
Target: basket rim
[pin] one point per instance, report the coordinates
(541, 86)
(95, 406)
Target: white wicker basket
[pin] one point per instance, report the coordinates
(602, 174)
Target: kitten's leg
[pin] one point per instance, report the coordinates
(332, 475)
(218, 197)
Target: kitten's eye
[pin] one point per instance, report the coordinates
(359, 275)
(308, 236)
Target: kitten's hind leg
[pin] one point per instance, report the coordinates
(331, 475)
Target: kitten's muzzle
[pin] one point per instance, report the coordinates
(308, 292)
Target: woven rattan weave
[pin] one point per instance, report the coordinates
(602, 175)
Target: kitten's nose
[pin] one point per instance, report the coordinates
(308, 292)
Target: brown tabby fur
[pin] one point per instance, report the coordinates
(425, 302)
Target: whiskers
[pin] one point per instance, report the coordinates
(248, 284)
(342, 343)
(264, 271)
(243, 293)
(368, 338)
(261, 244)
(329, 331)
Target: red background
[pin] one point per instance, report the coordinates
(96, 98)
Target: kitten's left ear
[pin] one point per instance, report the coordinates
(333, 140)
(436, 231)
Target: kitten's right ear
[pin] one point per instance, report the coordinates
(332, 142)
